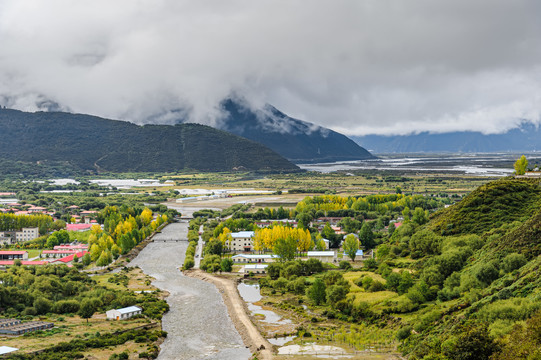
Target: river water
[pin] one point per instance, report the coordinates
(197, 323)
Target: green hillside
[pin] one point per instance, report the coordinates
(477, 293)
(99, 144)
(490, 206)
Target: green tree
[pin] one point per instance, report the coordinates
(316, 292)
(336, 293)
(42, 305)
(214, 247)
(420, 216)
(351, 245)
(285, 249)
(87, 309)
(226, 264)
(86, 259)
(473, 343)
(367, 236)
(521, 165)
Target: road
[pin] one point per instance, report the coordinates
(199, 250)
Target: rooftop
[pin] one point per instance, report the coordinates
(129, 309)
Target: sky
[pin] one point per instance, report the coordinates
(358, 67)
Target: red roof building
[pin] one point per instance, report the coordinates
(69, 259)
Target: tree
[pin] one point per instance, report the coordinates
(75, 258)
(366, 236)
(86, 259)
(214, 247)
(351, 245)
(87, 309)
(521, 165)
(336, 293)
(226, 265)
(42, 305)
(285, 249)
(316, 292)
(420, 216)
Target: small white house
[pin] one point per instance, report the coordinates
(254, 258)
(124, 313)
(323, 256)
(255, 268)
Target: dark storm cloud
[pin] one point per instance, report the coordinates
(356, 66)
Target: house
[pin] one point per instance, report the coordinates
(4, 263)
(78, 227)
(69, 259)
(77, 247)
(241, 241)
(254, 258)
(255, 268)
(27, 234)
(4, 350)
(124, 313)
(323, 256)
(13, 255)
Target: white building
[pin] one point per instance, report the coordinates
(124, 313)
(323, 256)
(242, 241)
(27, 234)
(254, 258)
(255, 268)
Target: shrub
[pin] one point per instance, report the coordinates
(345, 265)
(513, 262)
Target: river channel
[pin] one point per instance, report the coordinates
(197, 323)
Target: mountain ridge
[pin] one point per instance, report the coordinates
(296, 140)
(524, 138)
(99, 144)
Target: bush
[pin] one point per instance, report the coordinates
(403, 333)
(345, 265)
(513, 262)
(226, 265)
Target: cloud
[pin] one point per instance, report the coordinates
(358, 67)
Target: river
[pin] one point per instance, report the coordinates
(197, 324)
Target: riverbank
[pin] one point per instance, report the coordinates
(237, 311)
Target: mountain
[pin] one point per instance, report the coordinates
(525, 138)
(95, 143)
(296, 140)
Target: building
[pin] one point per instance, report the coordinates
(323, 256)
(241, 241)
(27, 234)
(5, 263)
(16, 327)
(77, 247)
(4, 350)
(78, 227)
(13, 255)
(254, 258)
(255, 268)
(124, 313)
(69, 259)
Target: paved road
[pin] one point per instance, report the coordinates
(198, 325)
(199, 250)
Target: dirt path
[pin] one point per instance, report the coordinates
(236, 308)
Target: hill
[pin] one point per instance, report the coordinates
(524, 138)
(99, 144)
(296, 140)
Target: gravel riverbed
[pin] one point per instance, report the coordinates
(197, 323)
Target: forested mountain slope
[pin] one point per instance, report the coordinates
(296, 140)
(106, 145)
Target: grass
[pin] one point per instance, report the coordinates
(32, 253)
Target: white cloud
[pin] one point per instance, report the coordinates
(372, 66)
